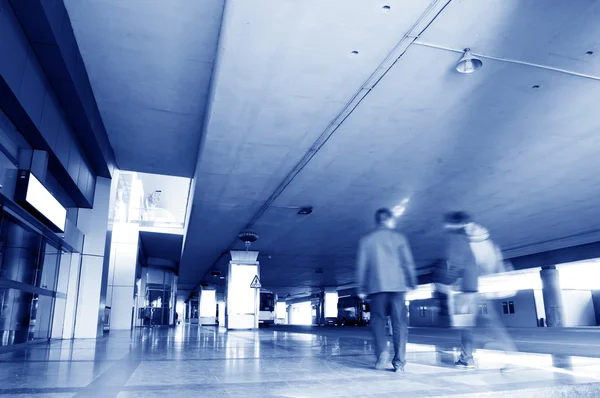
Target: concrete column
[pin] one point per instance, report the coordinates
(208, 306)
(552, 293)
(221, 305)
(93, 224)
(330, 303)
(322, 308)
(141, 299)
(120, 293)
(242, 300)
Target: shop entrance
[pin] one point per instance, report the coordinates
(32, 282)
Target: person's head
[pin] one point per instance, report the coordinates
(385, 218)
(456, 221)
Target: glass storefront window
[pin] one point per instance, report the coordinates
(15, 308)
(20, 251)
(41, 315)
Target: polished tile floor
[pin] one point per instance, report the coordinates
(207, 362)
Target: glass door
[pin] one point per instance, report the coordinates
(42, 306)
(28, 274)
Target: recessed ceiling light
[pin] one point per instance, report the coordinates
(354, 52)
(589, 52)
(386, 8)
(222, 277)
(535, 86)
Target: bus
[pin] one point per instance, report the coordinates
(353, 311)
(266, 315)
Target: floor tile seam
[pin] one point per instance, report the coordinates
(285, 348)
(229, 359)
(213, 386)
(39, 390)
(63, 361)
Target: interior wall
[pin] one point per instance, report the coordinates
(525, 311)
(428, 317)
(578, 308)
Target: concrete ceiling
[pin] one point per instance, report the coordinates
(162, 245)
(296, 119)
(150, 65)
(522, 160)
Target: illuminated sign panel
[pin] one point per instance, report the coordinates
(31, 193)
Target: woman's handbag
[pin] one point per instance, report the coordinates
(463, 309)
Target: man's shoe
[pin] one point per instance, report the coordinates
(383, 361)
(399, 368)
(509, 369)
(462, 364)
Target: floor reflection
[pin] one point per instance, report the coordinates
(328, 362)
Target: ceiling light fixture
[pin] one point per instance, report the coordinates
(354, 52)
(248, 237)
(468, 63)
(386, 8)
(304, 211)
(399, 210)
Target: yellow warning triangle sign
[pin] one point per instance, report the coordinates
(255, 283)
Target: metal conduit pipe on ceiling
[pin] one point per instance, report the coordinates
(508, 60)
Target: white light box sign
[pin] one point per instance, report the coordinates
(40, 202)
(241, 298)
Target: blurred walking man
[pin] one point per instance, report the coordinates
(385, 272)
(470, 253)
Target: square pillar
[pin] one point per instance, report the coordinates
(120, 295)
(331, 305)
(208, 307)
(242, 300)
(93, 224)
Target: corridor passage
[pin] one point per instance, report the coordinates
(205, 362)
